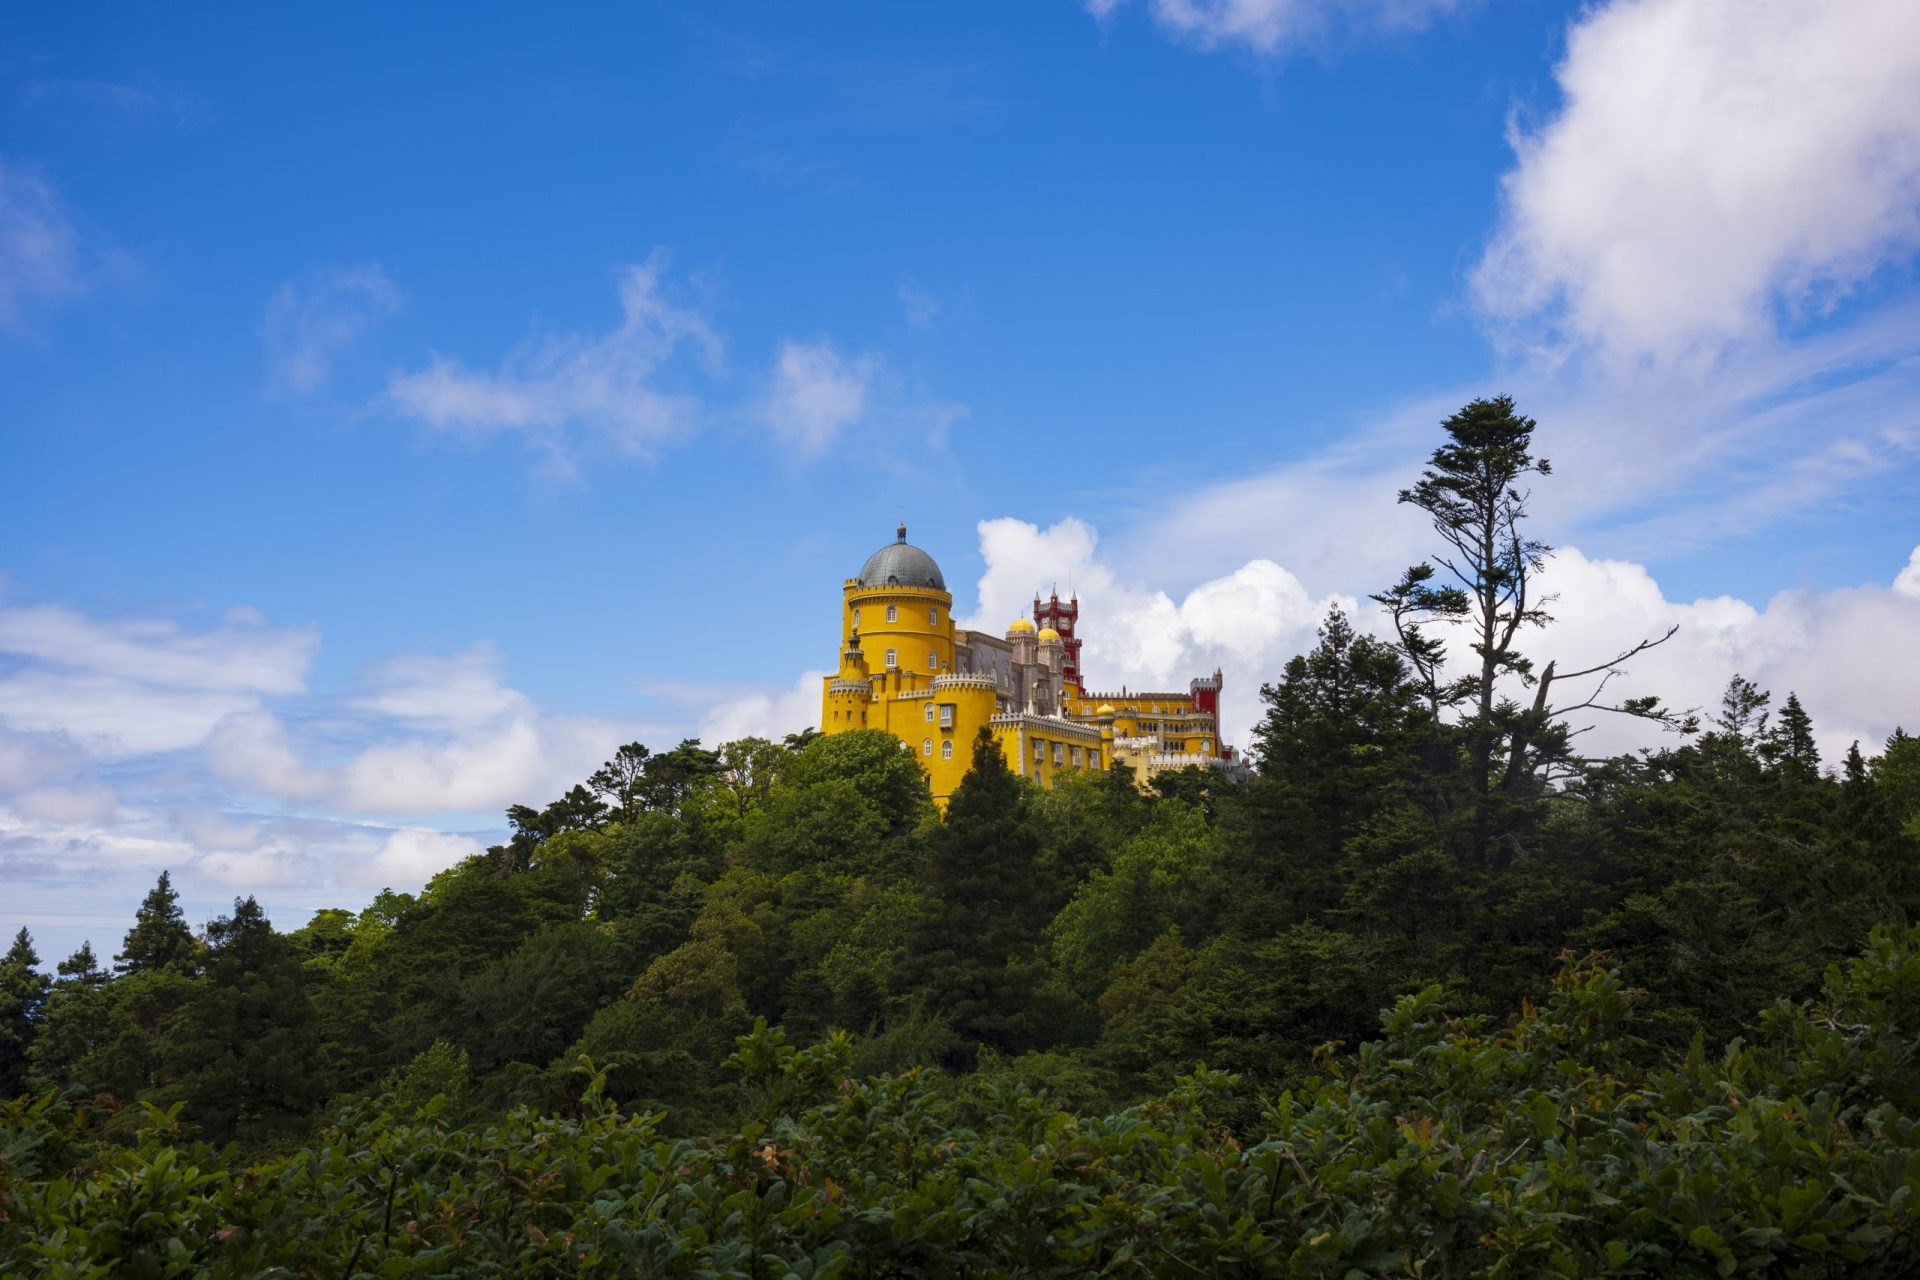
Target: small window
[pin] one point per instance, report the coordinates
(1093, 759)
(1076, 757)
(929, 713)
(933, 660)
(946, 715)
(946, 749)
(856, 619)
(926, 746)
(933, 617)
(892, 659)
(1058, 753)
(1039, 752)
(893, 613)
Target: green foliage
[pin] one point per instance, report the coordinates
(1440, 1148)
(242, 1051)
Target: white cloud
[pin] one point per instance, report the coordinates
(1846, 652)
(251, 872)
(816, 398)
(609, 386)
(251, 748)
(1712, 160)
(312, 320)
(772, 714)
(446, 691)
(129, 686)
(411, 856)
(815, 394)
(1247, 622)
(246, 659)
(29, 759)
(65, 806)
(1908, 582)
(39, 259)
(1270, 26)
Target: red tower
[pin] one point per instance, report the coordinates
(1061, 618)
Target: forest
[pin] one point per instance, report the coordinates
(1429, 992)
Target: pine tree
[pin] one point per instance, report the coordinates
(983, 867)
(1790, 747)
(23, 995)
(244, 1048)
(77, 1015)
(159, 938)
(1340, 736)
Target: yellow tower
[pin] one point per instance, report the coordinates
(897, 665)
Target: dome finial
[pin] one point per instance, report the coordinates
(900, 532)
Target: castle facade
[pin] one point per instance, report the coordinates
(907, 669)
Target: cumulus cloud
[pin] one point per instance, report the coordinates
(1271, 26)
(815, 394)
(1712, 162)
(39, 253)
(759, 713)
(609, 386)
(1846, 651)
(1247, 622)
(1907, 584)
(312, 320)
(412, 856)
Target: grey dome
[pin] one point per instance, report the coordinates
(898, 564)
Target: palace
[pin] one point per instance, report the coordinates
(905, 668)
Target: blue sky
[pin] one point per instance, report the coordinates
(404, 406)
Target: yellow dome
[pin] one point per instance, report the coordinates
(1021, 626)
(1048, 633)
(1106, 709)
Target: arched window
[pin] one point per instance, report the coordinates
(933, 660)
(893, 613)
(933, 617)
(929, 713)
(926, 746)
(946, 749)
(892, 659)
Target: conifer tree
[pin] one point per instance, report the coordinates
(983, 866)
(1472, 492)
(23, 994)
(1339, 735)
(244, 1048)
(159, 938)
(1790, 747)
(77, 1012)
